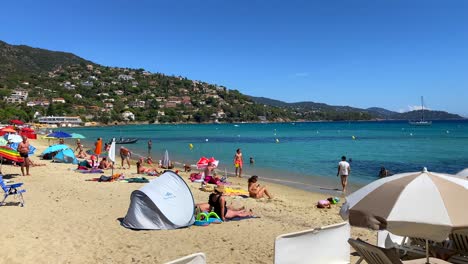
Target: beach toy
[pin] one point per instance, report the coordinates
(214, 218)
(202, 219)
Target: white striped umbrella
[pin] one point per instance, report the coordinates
(419, 204)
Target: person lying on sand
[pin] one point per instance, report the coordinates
(255, 190)
(218, 205)
(34, 164)
(145, 170)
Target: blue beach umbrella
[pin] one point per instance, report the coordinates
(31, 148)
(55, 148)
(59, 134)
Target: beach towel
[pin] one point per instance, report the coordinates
(90, 171)
(242, 218)
(137, 180)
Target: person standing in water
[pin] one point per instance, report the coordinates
(343, 171)
(238, 162)
(150, 145)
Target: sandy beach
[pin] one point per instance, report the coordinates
(67, 219)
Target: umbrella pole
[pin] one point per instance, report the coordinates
(427, 252)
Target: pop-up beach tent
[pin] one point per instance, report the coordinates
(164, 203)
(65, 156)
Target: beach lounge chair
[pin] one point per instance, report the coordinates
(459, 240)
(326, 244)
(197, 258)
(12, 189)
(377, 255)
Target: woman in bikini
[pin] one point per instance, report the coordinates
(218, 205)
(255, 190)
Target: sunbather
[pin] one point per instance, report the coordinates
(257, 191)
(145, 170)
(104, 164)
(218, 205)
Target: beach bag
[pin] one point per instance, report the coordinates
(323, 204)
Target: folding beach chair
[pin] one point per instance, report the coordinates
(197, 258)
(377, 255)
(327, 245)
(12, 189)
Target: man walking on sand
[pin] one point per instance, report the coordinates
(343, 171)
(125, 154)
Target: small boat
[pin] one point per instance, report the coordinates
(421, 122)
(125, 140)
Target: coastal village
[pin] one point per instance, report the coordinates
(91, 94)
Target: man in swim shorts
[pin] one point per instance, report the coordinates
(125, 155)
(238, 162)
(23, 149)
(343, 171)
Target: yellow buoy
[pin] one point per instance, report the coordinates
(190, 146)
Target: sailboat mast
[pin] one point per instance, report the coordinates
(422, 108)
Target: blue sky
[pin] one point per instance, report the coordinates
(361, 53)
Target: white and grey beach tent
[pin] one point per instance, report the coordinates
(164, 203)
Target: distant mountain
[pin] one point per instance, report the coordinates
(428, 115)
(21, 59)
(374, 112)
(381, 112)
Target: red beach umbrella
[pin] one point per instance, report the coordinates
(8, 130)
(16, 122)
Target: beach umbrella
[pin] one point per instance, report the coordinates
(16, 122)
(14, 138)
(76, 135)
(203, 162)
(10, 154)
(166, 162)
(111, 154)
(32, 149)
(3, 141)
(59, 134)
(54, 148)
(417, 204)
(8, 130)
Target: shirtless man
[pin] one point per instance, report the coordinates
(238, 162)
(23, 149)
(125, 155)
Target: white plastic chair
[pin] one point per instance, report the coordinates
(197, 258)
(328, 245)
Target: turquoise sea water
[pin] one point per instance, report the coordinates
(305, 153)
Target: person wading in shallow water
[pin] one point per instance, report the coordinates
(343, 171)
(238, 162)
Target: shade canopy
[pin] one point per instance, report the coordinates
(3, 141)
(59, 134)
(10, 154)
(8, 130)
(203, 162)
(16, 122)
(14, 138)
(76, 135)
(54, 148)
(418, 204)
